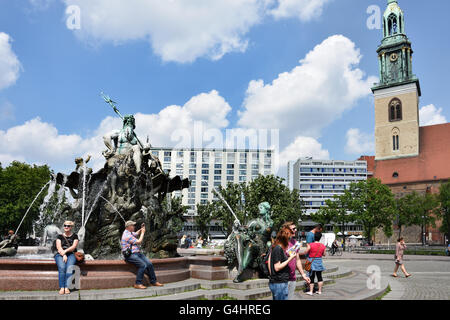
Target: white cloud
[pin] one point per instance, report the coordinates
(184, 30)
(9, 63)
(305, 10)
(359, 142)
(39, 142)
(300, 148)
(430, 115)
(304, 147)
(179, 31)
(308, 98)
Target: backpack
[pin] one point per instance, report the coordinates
(264, 264)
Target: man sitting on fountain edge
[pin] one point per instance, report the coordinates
(130, 240)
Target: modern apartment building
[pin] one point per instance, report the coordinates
(319, 180)
(210, 168)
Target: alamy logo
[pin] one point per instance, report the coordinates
(73, 21)
(374, 280)
(73, 282)
(374, 20)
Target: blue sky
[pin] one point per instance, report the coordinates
(141, 64)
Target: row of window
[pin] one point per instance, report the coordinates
(334, 164)
(352, 170)
(323, 186)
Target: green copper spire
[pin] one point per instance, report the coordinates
(395, 53)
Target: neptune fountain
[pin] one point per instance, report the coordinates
(131, 186)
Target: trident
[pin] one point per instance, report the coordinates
(112, 103)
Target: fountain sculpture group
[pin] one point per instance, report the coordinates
(246, 244)
(130, 186)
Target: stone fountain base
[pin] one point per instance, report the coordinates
(29, 275)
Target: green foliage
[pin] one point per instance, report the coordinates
(373, 206)
(174, 213)
(203, 218)
(244, 198)
(19, 185)
(336, 212)
(417, 209)
(285, 204)
(444, 200)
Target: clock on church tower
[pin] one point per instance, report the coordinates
(397, 94)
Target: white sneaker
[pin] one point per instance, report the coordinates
(318, 292)
(309, 293)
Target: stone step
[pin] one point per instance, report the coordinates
(352, 287)
(247, 290)
(104, 294)
(191, 289)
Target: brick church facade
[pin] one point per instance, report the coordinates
(407, 157)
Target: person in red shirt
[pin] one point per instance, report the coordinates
(316, 251)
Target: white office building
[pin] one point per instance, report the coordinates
(210, 168)
(319, 180)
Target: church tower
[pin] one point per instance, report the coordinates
(397, 94)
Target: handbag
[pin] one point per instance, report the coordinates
(127, 252)
(308, 263)
(79, 256)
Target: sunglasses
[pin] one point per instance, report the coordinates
(67, 226)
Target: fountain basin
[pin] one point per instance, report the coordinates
(30, 275)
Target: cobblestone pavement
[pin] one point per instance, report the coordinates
(353, 287)
(430, 280)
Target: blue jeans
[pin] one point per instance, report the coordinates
(63, 267)
(144, 266)
(280, 291)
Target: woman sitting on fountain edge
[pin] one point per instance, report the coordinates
(66, 244)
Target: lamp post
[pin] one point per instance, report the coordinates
(423, 230)
(345, 235)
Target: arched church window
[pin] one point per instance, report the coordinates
(395, 139)
(392, 24)
(395, 110)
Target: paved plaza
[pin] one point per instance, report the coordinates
(430, 275)
(346, 278)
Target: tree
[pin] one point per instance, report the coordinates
(233, 195)
(373, 205)
(174, 213)
(19, 185)
(427, 210)
(444, 200)
(325, 215)
(407, 211)
(336, 212)
(203, 218)
(417, 209)
(285, 204)
(244, 198)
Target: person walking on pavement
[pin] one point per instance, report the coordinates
(400, 247)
